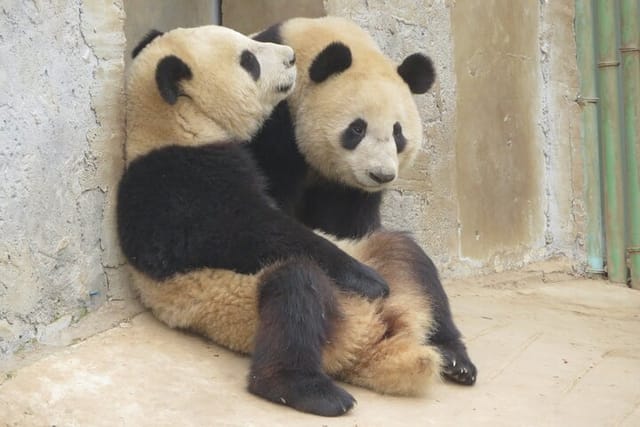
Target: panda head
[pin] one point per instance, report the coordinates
(355, 117)
(200, 85)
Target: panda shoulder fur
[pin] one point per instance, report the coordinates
(209, 251)
(350, 127)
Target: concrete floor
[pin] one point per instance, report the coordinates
(551, 350)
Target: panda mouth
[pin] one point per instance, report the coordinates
(283, 88)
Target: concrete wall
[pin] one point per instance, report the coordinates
(61, 133)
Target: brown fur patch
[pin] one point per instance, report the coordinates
(375, 344)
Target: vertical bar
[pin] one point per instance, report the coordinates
(611, 141)
(630, 53)
(591, 153)
(215, 12)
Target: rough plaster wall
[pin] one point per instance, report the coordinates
(498, 144)
(560, 124)
(61, 136)
(424, 200)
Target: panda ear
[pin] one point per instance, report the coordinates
(169, 72)
(333, 59)
(151, 35)
(418, 72)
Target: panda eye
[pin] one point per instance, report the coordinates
(353, 134)
(401, 141)
(250, 63)
(358, 127)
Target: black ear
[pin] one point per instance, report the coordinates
(418, 72)
(169, 71)
(145, 41)
(334, 59)
(271, 34)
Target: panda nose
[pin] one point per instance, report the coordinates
(291, 61)
(381, 177)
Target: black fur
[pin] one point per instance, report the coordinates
(274, 149)
(418, 72)
(151, 35)
(401, 141)
(339, 210)
(249, 62)
(271, 35)
(353, 134)
(183, 208)
(333, 59)
(169, 72)
(297, 309)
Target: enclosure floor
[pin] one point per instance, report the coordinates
(551, 350)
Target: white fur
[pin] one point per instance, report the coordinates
(371, 89)
(209, 111)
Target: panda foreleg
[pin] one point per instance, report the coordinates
(296, 310)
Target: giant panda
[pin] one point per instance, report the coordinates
(340, 140)
(211, 252)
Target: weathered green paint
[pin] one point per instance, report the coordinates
(584, 23)
(630, 52)
(611, 141)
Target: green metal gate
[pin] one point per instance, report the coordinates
(608, 42)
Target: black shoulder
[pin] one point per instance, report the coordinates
(275, 150)
(151, 35)
(271, 35)
(339, 210)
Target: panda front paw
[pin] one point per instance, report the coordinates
(362, 280)
(456, 365)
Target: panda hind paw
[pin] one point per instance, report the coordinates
(456, 365)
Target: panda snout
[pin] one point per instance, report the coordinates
(290, 61)
(382, 177)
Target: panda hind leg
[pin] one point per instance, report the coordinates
(398, 366)
(456, 363)
(400, 253)
(296, 309)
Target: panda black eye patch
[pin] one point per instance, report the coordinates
(353, 134)
(401, 141)
(249, 62)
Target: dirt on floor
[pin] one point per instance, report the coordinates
(552, 350)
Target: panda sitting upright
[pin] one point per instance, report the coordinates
(332, 148)
(210, 251)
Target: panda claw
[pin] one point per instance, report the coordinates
(457, 367)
